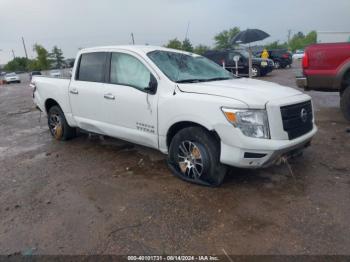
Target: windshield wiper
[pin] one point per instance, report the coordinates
(202, 80)
(190, 80)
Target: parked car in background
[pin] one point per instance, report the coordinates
(260, 67)
(326, 67)
(180, 103)
(55, 73)
(299, 54)
(34, 73)
(12, 78)
(281, 57)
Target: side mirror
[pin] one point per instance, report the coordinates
(152, 86)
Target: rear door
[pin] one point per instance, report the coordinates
(86, 91)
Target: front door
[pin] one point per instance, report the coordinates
(130, 111)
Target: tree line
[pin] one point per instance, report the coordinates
(222, 40)
(45, 60)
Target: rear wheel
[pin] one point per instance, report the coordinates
(194, 155)
(58, 125)
(345, 103)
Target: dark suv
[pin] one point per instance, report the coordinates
(260, 67)
(281, 57)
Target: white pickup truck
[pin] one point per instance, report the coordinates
(180, 103)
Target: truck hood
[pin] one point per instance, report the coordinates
(254, 93)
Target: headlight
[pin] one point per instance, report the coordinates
(252, 123)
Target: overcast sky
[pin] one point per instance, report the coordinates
(71, 24)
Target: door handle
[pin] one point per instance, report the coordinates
(109, 96)
(74, 91)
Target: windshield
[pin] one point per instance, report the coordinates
(11, 74)
(182, 68)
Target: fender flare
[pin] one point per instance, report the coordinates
(343, 68)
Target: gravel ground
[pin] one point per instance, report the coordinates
(95, 195)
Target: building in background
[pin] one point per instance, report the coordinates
(332, 37)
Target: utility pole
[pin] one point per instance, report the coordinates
(188, 27)
(13, 54)
(289, 34)
(132, 38)
(0, 64)
(24, 46)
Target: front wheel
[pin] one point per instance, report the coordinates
(345, 103)
(277, 65)
(58, 125)
(255, 71)
(194, 156)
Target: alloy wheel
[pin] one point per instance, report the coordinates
(55, 125)
(190, 159)
(254, 72)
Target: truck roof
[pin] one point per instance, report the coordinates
(134, 48)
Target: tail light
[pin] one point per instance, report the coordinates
(305, 62)
(285, 55)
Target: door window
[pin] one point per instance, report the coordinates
(128, 70)
(92, 67)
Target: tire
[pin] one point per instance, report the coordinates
(283, 66)
(202, 152)
(345, 103)
(255, 71)
(58, 125)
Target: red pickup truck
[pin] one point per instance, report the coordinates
(326, 67)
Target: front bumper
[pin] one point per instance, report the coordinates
(267, 69)
(265, 153)
(14, 80)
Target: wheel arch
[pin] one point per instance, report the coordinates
(342, 79)
(176, 127)
(50, 103)
(345, 80)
